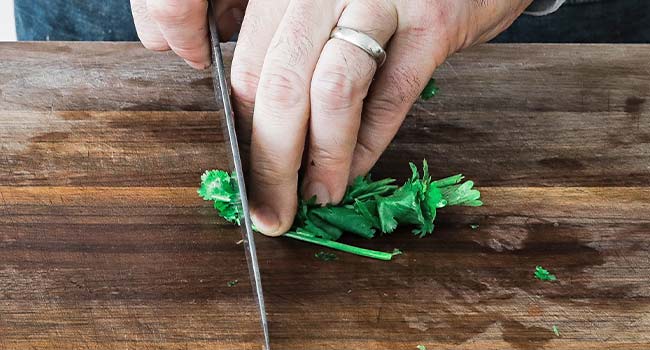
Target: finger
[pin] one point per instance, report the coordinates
(183, 24)
(413, 55)
(406, 73)
(282, 110)
(339, 86)
(147, 28)
(260, 22)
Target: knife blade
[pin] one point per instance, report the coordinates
(222, 92)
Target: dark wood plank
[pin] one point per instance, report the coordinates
(85, 254)
(537, 115)
(105, 245)
(100, 77)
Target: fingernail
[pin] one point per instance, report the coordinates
(266, 220)
(319, 190)
(199, 65)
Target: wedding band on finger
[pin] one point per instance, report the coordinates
(361, 40)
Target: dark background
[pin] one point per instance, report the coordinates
(604, 21)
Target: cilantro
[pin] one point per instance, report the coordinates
(397, 252)
(345, 219)
(221, 188)
(364, 188)
(473, 226)
(421, 347)
(232, 283)
(543, 275)
(325, 256)
(556, 331)
(368, 207)
(430, 90)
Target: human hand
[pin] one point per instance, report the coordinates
(297, 91)
(181, 26)
(294, 87)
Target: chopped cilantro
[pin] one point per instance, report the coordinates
(556, 331)
(232, 283)
(220, 187)
(473, 226)
(543, 275)
(368, 208)
(421, 347)
(325, 256)
(397, 252)
(430, 90)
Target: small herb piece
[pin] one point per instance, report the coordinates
(232, 283)
(220, 187)
(543, 275)
(473, 226)
(325, 256)
(397, 252)
(430, 90)
(421, 347)
(368, 208)
(556, 331)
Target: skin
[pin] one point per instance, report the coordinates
(303, 100)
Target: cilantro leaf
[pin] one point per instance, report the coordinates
(346, 219)
(221, 187)
(461, 194)
(368, 210)
(322, 229)
(364, 188)
(430, 90)
(402, 206)
(367, 206)
(543, 275)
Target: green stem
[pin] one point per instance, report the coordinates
(374, 254)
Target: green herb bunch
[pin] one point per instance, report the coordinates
(368, 208)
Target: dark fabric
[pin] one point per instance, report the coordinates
(606, 21)
(72, 20)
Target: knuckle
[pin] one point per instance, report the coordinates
(407, 84)
(244, 82)
(380, 106)
(382, 115)
(419, 29)
(435, 14)
(173, 11)
(329, 157)
(271, 173)
(334, 88)
(284, 88)
(367, 149)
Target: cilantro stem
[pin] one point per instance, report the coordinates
(374, 254)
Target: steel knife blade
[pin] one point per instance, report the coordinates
(222, 92)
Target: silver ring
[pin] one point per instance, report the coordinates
(363, 41)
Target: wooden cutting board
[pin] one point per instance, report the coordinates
(104, 243)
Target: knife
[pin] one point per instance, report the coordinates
(222, 92)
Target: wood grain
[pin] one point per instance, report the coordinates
(105, 245)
